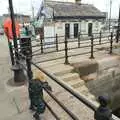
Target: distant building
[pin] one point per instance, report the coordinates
(19, 17)
(67, 18)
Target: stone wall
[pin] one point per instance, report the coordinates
(105, 79)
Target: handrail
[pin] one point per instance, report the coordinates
(77, 95)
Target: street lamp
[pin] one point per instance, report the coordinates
(19, 76)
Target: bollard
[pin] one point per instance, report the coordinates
(103, 112)
(111, 43)
(41, 43)
(66, 51)
(56, 42)
(79, 40)
(100, 38)
(92, 57)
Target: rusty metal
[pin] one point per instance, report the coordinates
(100, 38)
(92, 56)
(111, 43)
(79, 40)
(66, 51)
(56, 42)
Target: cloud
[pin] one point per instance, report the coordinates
(104, 5)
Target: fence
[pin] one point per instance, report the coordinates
(81, 42)
(25, 52)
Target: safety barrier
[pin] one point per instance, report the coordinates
(26, 54)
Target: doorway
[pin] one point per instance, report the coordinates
(75, 30)
(90, 25)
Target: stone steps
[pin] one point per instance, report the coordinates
(76, 83)
(83, 89)
(70, 77)
(62, 70)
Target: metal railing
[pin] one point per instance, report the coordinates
(27, 55)
(95, 40)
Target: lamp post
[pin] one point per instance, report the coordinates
(19, 76)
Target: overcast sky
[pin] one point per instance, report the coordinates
(24, 6)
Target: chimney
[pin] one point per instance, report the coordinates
(78, 1)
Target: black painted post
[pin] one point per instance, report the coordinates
(111, 43)
(28, 63)
(10, 50)
(100, 38)
(19, 76)
(79, 40)
(56, 42)
(41, 43)
(92, 56)
(13, 27)
(117, 36)
(66, 50)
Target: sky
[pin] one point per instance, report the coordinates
(24, 6)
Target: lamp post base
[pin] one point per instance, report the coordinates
(19, 75)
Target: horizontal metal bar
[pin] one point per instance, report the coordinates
(52, 112)
(47, 52)
(74, 93)
(74, 117)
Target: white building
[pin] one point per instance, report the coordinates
(68, 18)
(72, 18)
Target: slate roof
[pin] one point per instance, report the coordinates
(75, 10)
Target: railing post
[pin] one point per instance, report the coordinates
(92, 56)
(28, 63)
(117, 36)
(111, 43)
(79, 40)
(29, 70)
(100, 38)
(56, 42)
(66, 50)
(41, 43)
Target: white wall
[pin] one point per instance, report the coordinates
(59, 27)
